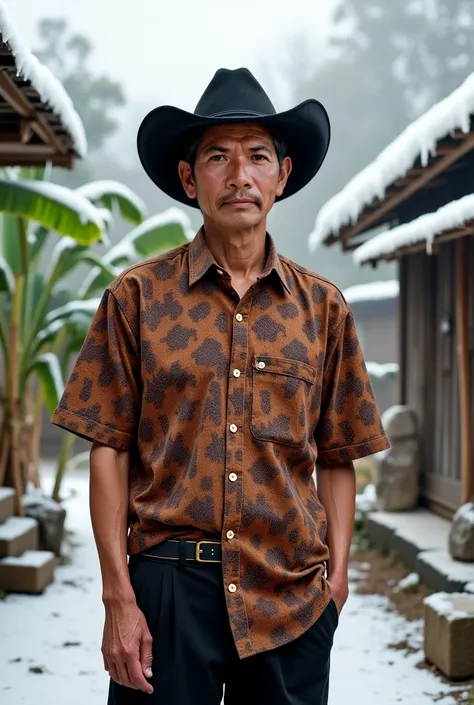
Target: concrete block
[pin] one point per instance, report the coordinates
(419, 531)
(439, 571)
(17, 535)
(381, 527)
(31, 572)
(7, 503)
(449, 633)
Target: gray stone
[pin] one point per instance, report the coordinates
(461, 536)
(440, 571)
(50, 516)
(396, 476)
(399, 422)
(449, 633)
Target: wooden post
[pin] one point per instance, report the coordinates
(465, 388)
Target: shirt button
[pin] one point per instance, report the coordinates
(239, 317)
(232, 477)
(232, 587)
(261, 365)
(230, 534)
(233, 427)
(236, 373)
(219, 271)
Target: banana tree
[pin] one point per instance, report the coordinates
(31, 212)
(157, 234)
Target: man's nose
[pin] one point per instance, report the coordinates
(238, 177)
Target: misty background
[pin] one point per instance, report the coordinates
(375, 65)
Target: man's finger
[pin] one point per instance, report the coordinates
(146, 654)
(136, 676)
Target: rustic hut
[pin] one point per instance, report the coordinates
(420, 186)
(38, 123)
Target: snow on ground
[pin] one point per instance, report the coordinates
(60, 633)
(418, 140)
(50, 89)
(372, 291)
(423, 229)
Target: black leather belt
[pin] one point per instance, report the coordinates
(204, 551)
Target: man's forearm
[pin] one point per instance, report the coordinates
(336, 491)
(109, 504)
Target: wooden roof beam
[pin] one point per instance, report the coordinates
(425, 175)
(20, 103)
(447, 236)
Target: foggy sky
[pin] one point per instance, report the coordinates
(168, 50)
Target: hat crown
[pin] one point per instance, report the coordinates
(234, 92)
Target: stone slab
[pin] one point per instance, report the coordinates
(7, 503)
(31, 572)
(419, 531)
(439, 571)
(449, 633)
(380, 529)
(17, 535)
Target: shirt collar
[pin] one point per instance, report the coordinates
(201, 260)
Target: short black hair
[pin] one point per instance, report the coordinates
(191, 149)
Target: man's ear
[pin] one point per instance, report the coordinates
(285, 171)
(187, 179)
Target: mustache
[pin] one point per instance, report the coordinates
(238, 194)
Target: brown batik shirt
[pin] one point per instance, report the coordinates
(225, 404)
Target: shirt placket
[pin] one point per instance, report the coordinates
(234, 478)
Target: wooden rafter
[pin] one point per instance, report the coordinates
(23, 107)
(416, 179)
(466, 230)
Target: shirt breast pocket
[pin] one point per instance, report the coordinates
(282, 391)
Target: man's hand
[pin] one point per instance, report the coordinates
(339, 591)
(126, 646)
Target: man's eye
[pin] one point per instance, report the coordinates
(259, 157)
(217, 157)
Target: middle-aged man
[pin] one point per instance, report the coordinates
(213, 379)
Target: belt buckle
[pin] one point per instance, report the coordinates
(199, 551)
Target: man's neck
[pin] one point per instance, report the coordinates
(242, 253)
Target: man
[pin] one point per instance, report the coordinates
(212, 380)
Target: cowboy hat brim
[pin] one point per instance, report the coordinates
(166, 131)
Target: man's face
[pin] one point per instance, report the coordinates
(237, 175)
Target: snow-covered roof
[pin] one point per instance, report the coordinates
(423, 229)
(50, 89)
(373, 291)
(418, 140)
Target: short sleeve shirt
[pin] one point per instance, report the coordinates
(225, 404)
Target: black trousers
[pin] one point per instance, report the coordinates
(194, 656)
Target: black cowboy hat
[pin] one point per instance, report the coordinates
(232, 97)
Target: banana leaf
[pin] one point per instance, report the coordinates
(63, 312)
(113, 194)
(7, 280)
(53, 206)
(48, 369)
(157, 234)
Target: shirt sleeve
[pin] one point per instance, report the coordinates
(349, 425)
(101, 398)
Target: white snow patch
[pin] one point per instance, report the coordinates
(16, 526)
(466, 512)
(409, 582)
(390, 413)
(6, 492)
(423, 229)
(366, 501)
(373, 291)
(382, 370)
(30, 559)
(96, 190)
(418, 140)
(48, 86)
(452, 605)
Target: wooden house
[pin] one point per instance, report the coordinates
(414, 204)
